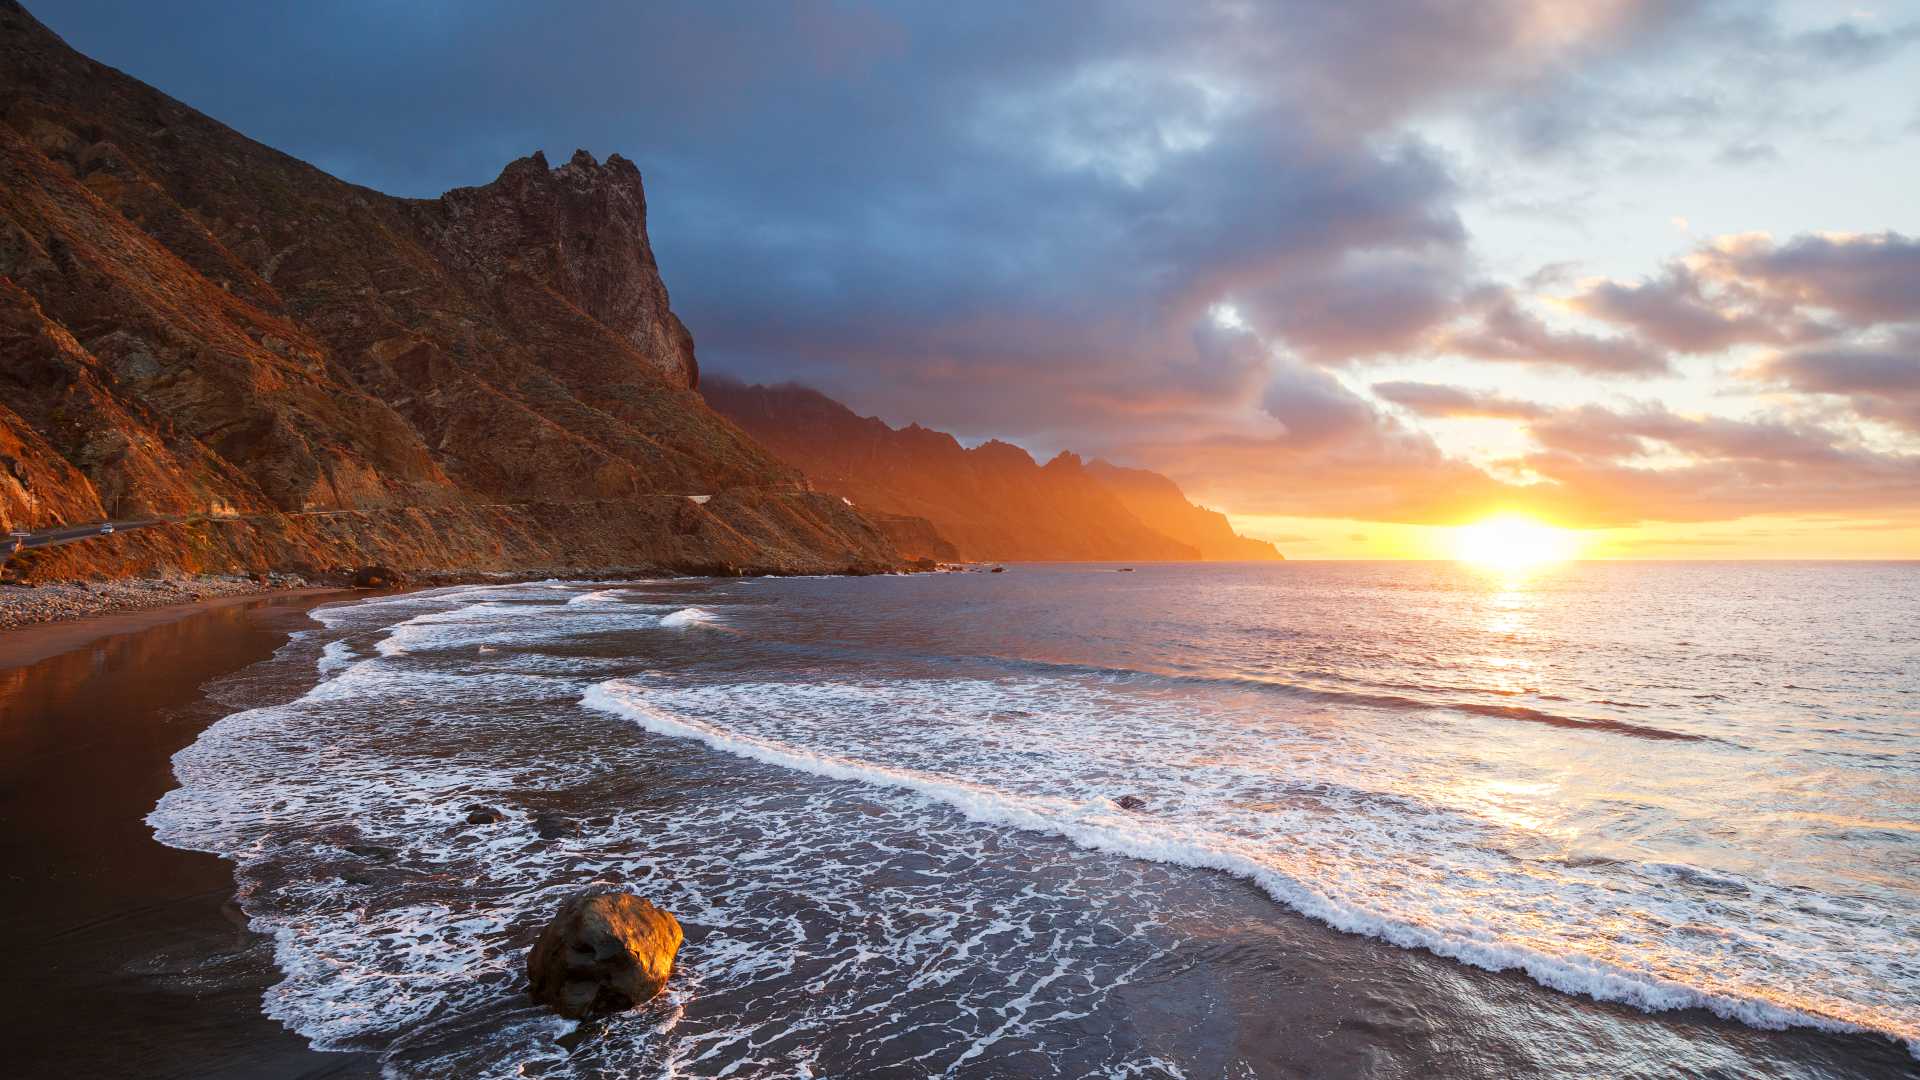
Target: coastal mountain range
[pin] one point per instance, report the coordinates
(296, 371)
(988, 502)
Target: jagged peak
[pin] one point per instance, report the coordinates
(534, 168)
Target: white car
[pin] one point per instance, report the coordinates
(107, 529)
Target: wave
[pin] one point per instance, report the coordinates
(1098, 824)
(598, 596)
(1350, 697)
(689, 617)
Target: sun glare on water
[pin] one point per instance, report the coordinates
(1513, 542)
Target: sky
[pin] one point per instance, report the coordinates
(1354, 273)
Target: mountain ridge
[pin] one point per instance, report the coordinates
(991, 502)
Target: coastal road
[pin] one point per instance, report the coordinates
(66, 534)
(22, 540)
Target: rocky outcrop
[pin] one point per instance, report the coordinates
(604, 952)
(990, 502)
(196, 326)
(915, 538)
(376, 577)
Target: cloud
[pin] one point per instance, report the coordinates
(1447, 402)
(1750, 289)
(1619, 467)
(1693, 74)
(1674, 310)
(1506, 332)
(1881, 382)
(1865, 277)
(1313, 407)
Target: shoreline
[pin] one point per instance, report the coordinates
(131, 957)
(25, 606)
(21, 646)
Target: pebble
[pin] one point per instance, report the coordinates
(54, 601)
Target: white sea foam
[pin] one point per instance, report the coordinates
(689, 617)
(335, 656)
(401, 929)
(1353, 878)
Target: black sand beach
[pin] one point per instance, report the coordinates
(127, 957)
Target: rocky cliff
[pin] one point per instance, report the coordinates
(993, 501)
(310, 373)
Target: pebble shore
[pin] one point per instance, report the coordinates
(55, 601)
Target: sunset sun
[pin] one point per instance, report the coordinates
(1511, 541)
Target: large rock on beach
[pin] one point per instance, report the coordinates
(604, 952)
(375, 577)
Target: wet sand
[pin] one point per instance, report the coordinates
(128, 958)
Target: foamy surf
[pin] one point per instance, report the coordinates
(878, 835)
(689, 617)
(1101, 825)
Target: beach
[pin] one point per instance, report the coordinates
(130, 958)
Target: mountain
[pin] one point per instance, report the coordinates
(991, 502)
(1160, 505)
(312, 373)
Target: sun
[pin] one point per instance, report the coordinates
(1512, 541)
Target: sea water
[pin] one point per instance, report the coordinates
(1379, 819)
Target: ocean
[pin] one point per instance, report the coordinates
(1220, 820)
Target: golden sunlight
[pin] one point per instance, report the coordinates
(1512, 541)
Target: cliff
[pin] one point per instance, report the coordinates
(310, 373)
(991, 502)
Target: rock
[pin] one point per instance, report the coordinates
(922, 565)
(1124, 570)
(375, 577)
(1130, 802)
(998, 570)
(604, 952)
(553, 826)
(484, 815)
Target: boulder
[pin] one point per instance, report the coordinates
(604, 952)
(554, 826)
(375, 577)
(1130, 802)
(484, 815)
